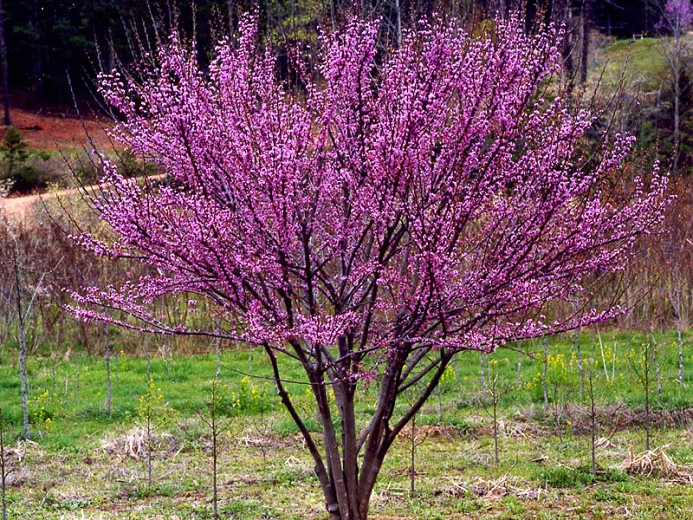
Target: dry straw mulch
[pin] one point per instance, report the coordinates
(135, 445)
(499, 488)
(655, 462)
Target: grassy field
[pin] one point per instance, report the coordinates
(83, 462)
(640, 63)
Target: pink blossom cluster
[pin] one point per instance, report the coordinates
(430, 198)
(677, 15)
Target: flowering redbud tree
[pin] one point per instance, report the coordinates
(392, 212)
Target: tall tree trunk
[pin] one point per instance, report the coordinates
(502, 9)
(398, 29)
(586, 26)
(37, 58)
(3, 69)
(677, 96)
(565, 15)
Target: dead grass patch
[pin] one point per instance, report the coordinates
(135, 445)
(498, 488)
(655, 462)
(427, 431)
(512, 429)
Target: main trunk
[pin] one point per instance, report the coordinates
(352, 464)
(351, 486)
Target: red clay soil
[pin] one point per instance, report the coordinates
(51, 132)
(56, 132)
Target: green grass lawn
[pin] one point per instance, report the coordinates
(641, 63)
(84, 463)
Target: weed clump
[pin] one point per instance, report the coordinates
(567, 477)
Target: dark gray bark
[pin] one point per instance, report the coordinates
(586, 28)
(3, 69)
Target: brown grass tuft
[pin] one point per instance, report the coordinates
(134, 445)
(654, 462)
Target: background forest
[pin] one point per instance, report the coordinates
(51, 40)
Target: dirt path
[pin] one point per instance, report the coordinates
(21, 207)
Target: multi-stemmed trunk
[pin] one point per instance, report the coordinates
(348, 467)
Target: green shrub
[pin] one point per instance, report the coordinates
(17, 171)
